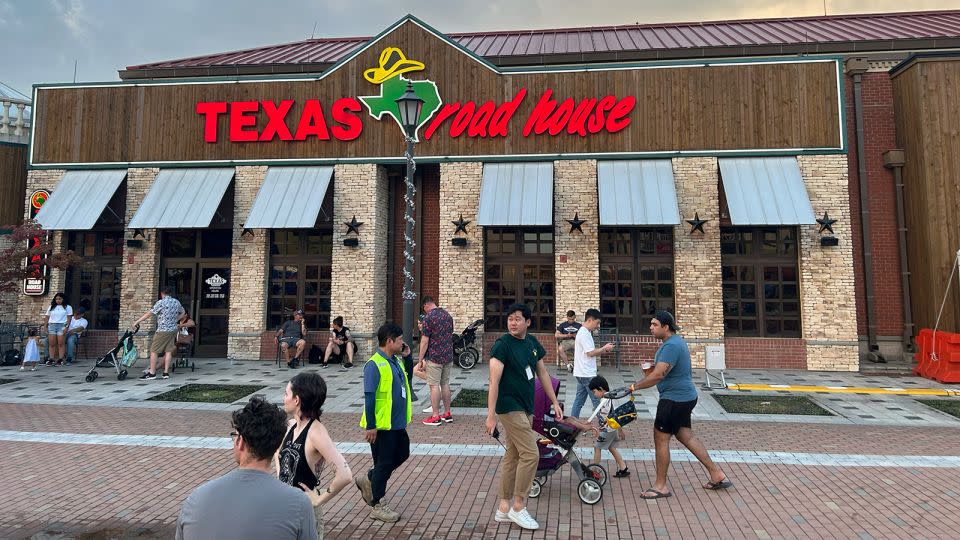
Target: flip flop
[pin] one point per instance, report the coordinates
(714, 486)
(657, 494)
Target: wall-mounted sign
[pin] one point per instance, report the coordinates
(36, 284)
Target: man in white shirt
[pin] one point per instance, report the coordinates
(584, 360)
(75, 326)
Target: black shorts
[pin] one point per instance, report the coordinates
(673, 415)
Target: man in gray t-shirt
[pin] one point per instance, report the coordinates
(250, 502)
(291, 337)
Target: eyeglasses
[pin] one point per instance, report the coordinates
(234, 434)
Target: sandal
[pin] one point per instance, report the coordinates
(656, 494)
(714, 486)
(622, 473)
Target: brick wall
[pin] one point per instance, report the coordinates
(827, 298)
(765, 353)
(31, 309)
(428, 219)
(460, 283)
(248, 266)
(358, 279)
(698, 290)
(880, 136)
(139, 281)
(267, 342)
(576, 257)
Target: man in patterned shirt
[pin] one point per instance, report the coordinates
(168, 310)
(436, 357)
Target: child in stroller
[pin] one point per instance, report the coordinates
(557, 449)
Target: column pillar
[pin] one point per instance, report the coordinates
(248, 268)
(576, 254)
(140, 276)
(461, 268)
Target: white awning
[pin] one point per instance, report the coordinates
(79, 199)
(290, 198)
(516, 194)
(182, 198)
(765, 191)
(640, 192)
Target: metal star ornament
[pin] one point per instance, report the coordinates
(353, 225)
(576, 224)
(826, 224)
(696, 224)
(461, 225)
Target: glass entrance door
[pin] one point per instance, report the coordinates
(203, 287)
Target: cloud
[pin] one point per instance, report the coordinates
(73, 15)
(8, 15)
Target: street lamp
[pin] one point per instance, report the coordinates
(409, 106)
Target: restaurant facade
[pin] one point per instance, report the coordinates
(718, 189)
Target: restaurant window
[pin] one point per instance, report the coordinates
(519, 268)
(761, 294)
(636, 276)
(301, 262)
(96, 285)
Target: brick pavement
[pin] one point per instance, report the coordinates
(136, 491)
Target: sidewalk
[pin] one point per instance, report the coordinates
(65, 385)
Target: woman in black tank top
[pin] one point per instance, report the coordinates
(307, 445)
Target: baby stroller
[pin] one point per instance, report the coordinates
(122, 356)
(467, 354)
(557, 449)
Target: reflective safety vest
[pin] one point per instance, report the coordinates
(384, 395)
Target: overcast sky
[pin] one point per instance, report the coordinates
(41, 39)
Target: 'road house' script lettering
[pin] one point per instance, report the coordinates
(589, 116)
(243, 116)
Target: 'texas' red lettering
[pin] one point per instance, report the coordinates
(243, 118)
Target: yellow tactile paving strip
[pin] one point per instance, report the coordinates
(848, 389)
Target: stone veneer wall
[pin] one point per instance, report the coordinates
(359, 274)
(576, 259)
(698, 290)
(827, 296)
(140, 278)
(461, 268)
(248, 267)
(31, 309)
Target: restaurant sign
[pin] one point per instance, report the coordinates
(36, 284)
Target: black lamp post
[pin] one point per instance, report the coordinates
(409, 106)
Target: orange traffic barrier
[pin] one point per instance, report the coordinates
(938, 356)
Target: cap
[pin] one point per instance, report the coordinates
(666, 319)
(298, 312)
(81, 310)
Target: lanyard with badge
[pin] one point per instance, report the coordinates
(403, 388)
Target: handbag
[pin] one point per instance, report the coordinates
(184, 338)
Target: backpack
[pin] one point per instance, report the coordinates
(315, 355)
(12, 358)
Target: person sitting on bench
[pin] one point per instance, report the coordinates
(340, 342)
(291, 335)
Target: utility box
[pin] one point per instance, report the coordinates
(715, 365)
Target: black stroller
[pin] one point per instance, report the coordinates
(122, 356)
(467, 355)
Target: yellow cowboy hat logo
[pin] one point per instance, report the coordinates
(392, 63)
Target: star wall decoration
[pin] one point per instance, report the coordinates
(826, 224)
(353, 225)
(696, 224)
(461, 225)
(576, 224)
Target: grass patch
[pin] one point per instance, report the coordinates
(470, 397)
(798, 405)
(7, 381)
(949, 406)
(207, 393)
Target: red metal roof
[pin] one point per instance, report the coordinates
(623, 38)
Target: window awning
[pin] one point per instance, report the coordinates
(79, 199)
(182, 198)
(290, 198)
(516, 194)
(637, 192)
(765, 191)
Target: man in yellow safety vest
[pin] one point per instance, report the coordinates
(386, 414)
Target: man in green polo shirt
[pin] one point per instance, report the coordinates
(515, 358)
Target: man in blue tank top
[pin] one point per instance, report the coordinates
(673, 376)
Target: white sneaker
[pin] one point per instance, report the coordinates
(523, 519)
(429, 409)
(502, 517)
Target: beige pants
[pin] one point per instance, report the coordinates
(521, 457)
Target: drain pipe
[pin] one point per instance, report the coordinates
(895, 160)
(856, 67)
